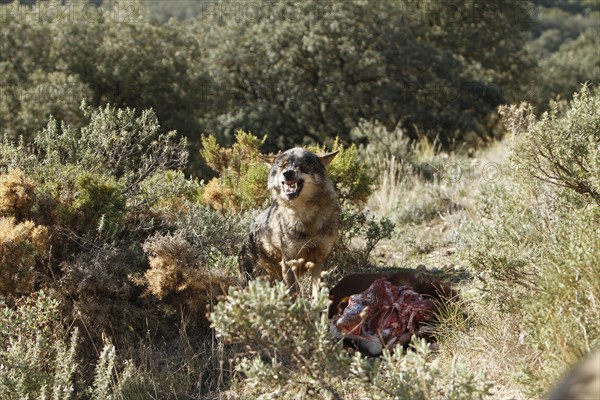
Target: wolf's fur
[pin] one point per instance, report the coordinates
(582, 382)
(297, 232)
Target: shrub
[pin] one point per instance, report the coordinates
(88, 278)
(117, 142)
(23, 249)
(348, 173)
(535, 241)
(561, 148)
(38, 359)
(199, 224)
(169, 191)
(173, 267)
(289, 350)
(178, 275)
(242, 175)
(17, 194)
(359, 234)
(423, 157)
(100, 198)
(93, 178)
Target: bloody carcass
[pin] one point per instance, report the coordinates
(386, 314)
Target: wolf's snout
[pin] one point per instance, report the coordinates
(289, 175)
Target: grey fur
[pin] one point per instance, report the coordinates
(297, 232)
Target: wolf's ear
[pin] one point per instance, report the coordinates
(326, 158)
(268, 159)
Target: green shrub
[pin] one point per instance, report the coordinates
(198, 225)
(38, 358)
(359, 234)
(535, 243)
(562, 148)
(241, 184)
(289, 351)
(422, 157)
(120, 142)
(94, 178)
(348, 173)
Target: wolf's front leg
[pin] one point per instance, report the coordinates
(315, 277)
(288, 271)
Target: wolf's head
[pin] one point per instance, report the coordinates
(298, 172)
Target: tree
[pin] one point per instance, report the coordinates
(307, 71)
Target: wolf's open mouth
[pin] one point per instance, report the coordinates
(292, 188)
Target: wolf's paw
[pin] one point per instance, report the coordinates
(296, 265)
(309, 265)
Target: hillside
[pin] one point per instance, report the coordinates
(131, 168)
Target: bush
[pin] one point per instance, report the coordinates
(178, 275)
(241, 184)
(17, 194)
(118, 142)
(561, 148)
(23, 250)
(91, 179)
(38, 358)
(359, 234)
(535, 242)
(294, 352)
(348, 173)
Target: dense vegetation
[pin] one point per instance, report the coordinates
(130, 172)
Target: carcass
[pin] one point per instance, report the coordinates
(386, 314)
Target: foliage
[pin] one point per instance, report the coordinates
(117, 142)
(423, 158)
(318, 73)
(17, 194)
(359, 234)
(564, 40)
(535, 242)
(562, 148)
(37, 357)
(236, 75)
(348, 173)
(295, 353)
(178, 275)
(241, 184)
(23, 248)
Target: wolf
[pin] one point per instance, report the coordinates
(297, 232)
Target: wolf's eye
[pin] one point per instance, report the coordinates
(303, 167)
